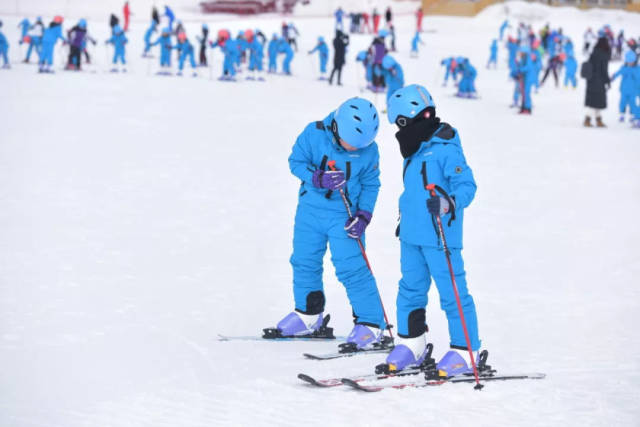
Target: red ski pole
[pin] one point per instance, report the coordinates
(332, 166)
(432, 190)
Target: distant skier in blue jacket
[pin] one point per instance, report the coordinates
(170, 16)
(432, 154)
(4, 49)
(256, 55)
(147, 37)
(629, 85)
(493, 58)
(285, 47)
(512, 48)
(24, 26)
(525, 75)
(415, 41)
(35, 38)
(570, 68)
(229, 49)
(503, 27)
(393, 74)
(272, 50)
(365, 57)
(49, 39)
(118, 40)
(467, 86)
(449, 65)
(345, 137)
(166, 45)
(186, 52)
(323, 55)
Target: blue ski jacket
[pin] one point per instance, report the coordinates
(439, 161)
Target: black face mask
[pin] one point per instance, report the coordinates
(414, 134)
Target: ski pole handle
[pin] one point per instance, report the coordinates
(332, 164)
(432, 189)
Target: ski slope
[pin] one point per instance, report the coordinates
(142, 215)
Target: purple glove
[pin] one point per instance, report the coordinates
(439, 206)
(355, 226)
(331, 180)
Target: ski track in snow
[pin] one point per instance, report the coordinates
(142, 215)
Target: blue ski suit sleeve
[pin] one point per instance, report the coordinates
(314, 148)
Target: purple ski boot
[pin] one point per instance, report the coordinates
(455, 362)
(296, 324)
(408, 353)
(362, 337)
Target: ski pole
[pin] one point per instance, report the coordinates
(432, 191)
(332, 166)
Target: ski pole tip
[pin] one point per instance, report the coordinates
(478, 387)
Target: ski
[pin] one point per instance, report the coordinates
(260, 338)
(334, 382)
(371, 388)
(350, 350)
(323, 333)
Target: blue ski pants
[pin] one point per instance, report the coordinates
(418, 265)
(313, 229)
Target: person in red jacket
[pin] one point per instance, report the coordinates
(419, 15)
(376, 20)
(127, 13)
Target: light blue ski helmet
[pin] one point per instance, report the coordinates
(630, 57)
(388, 62)
(356, 122)
(362, 55)
(407, 102)
(205, 26)
(383, 32)
(82, 24)
(525, 49)
(166, 30)
(117, 29)
(320, 39)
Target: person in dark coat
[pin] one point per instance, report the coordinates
(340, 43)
(596, 72)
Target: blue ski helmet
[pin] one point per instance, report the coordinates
(356, 122)
(205, 26)
(320, 39)
(525, 49)
(362, 55)
(407, 102)
(388, 62)
(166, 30)
(82, 24)
(383, 32)
(630, 57)
(117, 29)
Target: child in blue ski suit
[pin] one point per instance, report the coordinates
(432, 154)
(449, 65)
(4, 49)
(629, 84)
(393, 74)
(503, 27)
(345, 137)
(165, 47)
(35, 38)
(323, 54)
(493, 58)
(147, 37)
(24, 26)
(49, 39)
(118, 40)
(525, 75)
(570, 68)
(256, 55)
(186, 52)
(285, 47)
(414, 44)
(467, 87)
(273, 53)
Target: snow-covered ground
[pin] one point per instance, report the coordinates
(140, 216)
